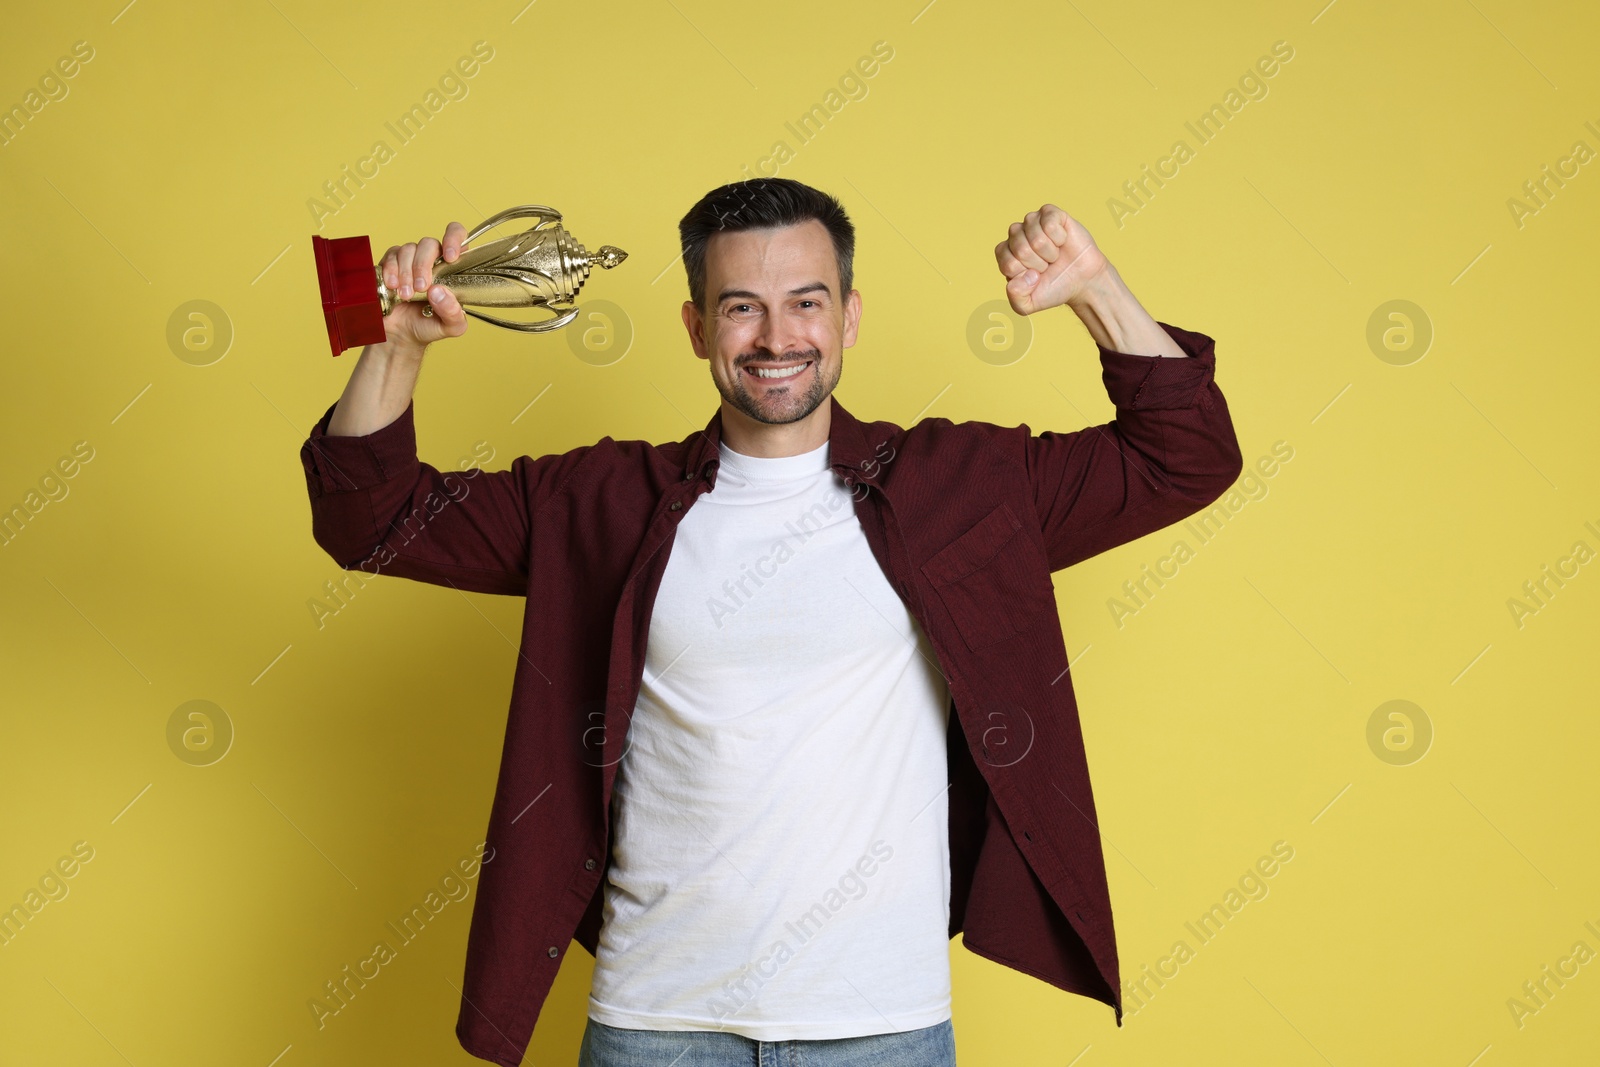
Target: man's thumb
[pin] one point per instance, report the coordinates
(1020, 288)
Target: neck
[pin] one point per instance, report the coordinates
(751, 437)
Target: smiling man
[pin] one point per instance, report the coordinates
(779, 347)
(792, 707)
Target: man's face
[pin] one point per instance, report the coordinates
(775, 327)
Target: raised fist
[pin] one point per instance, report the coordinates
(1047, 260)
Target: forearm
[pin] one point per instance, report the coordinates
(378, 392)
(1116, 320)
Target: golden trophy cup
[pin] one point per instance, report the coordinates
(542, 267)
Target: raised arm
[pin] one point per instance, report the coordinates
(386, 374)
(374, 505)
(1170, 450)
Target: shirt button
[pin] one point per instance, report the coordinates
(588, 865)
(676, 505)
(554, 952)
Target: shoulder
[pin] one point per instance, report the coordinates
(951, 454)
(613, 458)
(945, 437)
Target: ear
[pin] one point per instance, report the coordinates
(852, 316)
(695, 324)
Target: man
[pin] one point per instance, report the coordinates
(731, 770)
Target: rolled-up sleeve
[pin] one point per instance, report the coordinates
(376, 507)
(1170, 451)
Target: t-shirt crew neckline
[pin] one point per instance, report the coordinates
(773, 470)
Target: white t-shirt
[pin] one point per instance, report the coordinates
(781, 861)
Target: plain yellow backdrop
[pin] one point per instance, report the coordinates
(1229, 712)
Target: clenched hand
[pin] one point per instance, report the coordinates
(1048, 260)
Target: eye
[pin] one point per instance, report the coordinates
(813, 303)
(740, 308)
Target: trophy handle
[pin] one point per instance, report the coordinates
(524, 211)
(536, 326)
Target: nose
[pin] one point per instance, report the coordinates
(779, 336)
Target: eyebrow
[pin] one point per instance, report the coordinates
(809, 287)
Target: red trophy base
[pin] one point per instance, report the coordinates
(349, 292)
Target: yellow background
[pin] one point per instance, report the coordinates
(1229, 713)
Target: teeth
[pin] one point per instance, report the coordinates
(767, 372)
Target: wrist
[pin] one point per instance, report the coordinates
(394, 350)
(1100, 304)
(379, 390)
(1117, 321)
(1098, 286)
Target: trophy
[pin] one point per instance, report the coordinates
(543, 267)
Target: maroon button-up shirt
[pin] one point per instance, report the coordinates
(967, 520)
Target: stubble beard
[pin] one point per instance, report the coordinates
(783, 406)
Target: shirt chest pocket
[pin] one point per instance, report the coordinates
(992, 579)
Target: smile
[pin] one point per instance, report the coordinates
(768, 373)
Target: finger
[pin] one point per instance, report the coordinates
(1009, 266)
(455, 235)
(407, 253)
(1023, 249)
(1023, 284)
(422, 266)
(1019, 291)
(447, 310)
(1048, 250)
(391, 267)
(1055, 223)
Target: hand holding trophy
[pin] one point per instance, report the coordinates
(542, 267)
(410, 324)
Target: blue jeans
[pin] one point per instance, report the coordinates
(611, 1046)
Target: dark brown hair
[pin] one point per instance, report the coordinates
(759, 203)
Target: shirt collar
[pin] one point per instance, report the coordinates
(848, 452)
